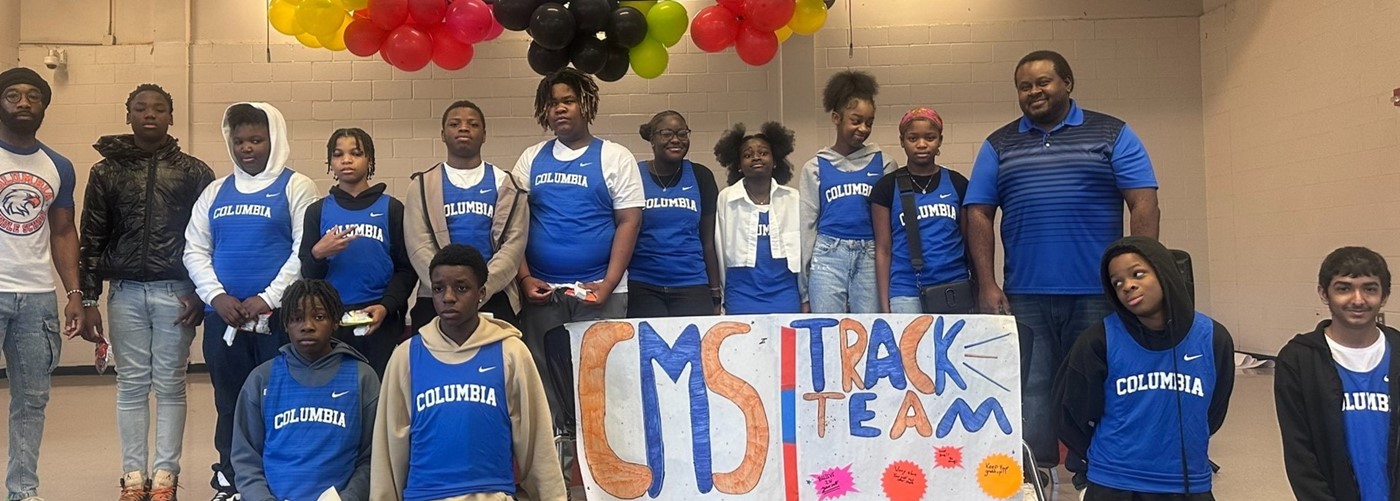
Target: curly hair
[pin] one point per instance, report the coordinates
(461, 255)
(582, 85)
(846, 87)
(780, 140)
(169, 101)
(295, 300)
(362, 140)
(648, 128)
(244, 114)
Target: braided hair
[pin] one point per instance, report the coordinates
(301, 296)
(729, 149)
(169, 101)
(362, 140)
(582, 85)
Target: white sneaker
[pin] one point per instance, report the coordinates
(1028, 492)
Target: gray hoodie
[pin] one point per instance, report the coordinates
(248, 426)
(809, 187)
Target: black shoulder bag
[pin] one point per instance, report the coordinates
(956, 298)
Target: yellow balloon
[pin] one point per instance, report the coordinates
(809, 17)
(309, 40)
(319, 17)
(282, 15)
(642, 5)
(354, 4)
(335, 41)
(783, 33)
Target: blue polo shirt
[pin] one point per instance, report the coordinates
(1060, 193)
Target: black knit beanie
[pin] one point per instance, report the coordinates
(22, 75)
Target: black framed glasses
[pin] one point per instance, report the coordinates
(669, 134)
(13, 96)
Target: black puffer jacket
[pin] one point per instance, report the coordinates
(135, 210)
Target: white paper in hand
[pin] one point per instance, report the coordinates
(330, 495)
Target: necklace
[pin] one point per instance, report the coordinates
(923, 188)
(665, 182)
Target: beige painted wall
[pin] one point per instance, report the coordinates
(1301, 153)
(1139, 60)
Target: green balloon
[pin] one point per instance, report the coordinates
(649, 58)
(667, 21)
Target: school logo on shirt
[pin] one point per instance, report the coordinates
(846, 190)
(936, 210)
(561, 178)
(362, 230)
(449, 393)
(469, 208)
(243, 210)
(1365, 401)
(23, 196)
(672, 203)
(309, 415)
(1160, 381)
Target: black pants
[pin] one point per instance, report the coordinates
(379, 345)
(229, 366)
(654, 301)
(498, 306)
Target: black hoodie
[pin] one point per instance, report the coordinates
(402, 282)
(1308, 396)
(1078, 390)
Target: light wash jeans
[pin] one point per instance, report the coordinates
(29, 335)
(906, 304)
(842, 278)
(152, 354)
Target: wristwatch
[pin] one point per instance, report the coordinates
(89, 303)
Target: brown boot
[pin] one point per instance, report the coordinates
(163, 486)
(134, 487)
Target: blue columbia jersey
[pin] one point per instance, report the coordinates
(845, 199)
(361, 272)
(571, 217)
(470, 211)
(768, 287)
(944, 259)
(312, 437)
(251, 236)
(1366, 419)
(1061, 197)
(668, 251)
(1137, 445)
(460, 431)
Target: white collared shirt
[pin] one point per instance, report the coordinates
(736, 225)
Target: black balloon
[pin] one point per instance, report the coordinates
(829, 3)
(591, 15)
(627, 27)
(589, 54)
(545, 61)
(515, 15)
(616, 68)
(552, 26)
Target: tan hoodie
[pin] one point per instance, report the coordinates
(537, 464)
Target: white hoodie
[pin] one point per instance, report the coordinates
(301, 192)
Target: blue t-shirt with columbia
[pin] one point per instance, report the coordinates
(571, 217)
(1061, 197)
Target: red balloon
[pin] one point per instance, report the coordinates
(388, 14)
(714, 29)
(738, 7)
(469, 20)
(449, 53)
(361, 14)
(756, 47)
(427, 12)
(409, 48)
(363, 37)
(769, 15)
(496, 28)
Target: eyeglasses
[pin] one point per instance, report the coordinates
(34, 96)
(669, 134)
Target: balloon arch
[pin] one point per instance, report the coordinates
(604, 38)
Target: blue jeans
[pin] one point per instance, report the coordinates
(1055, 322)
(29, 335)
(906, 304)
(152, 354)
(842, 276)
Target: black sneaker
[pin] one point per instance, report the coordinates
(226, 496)
(1080, 481)
(224, 489)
